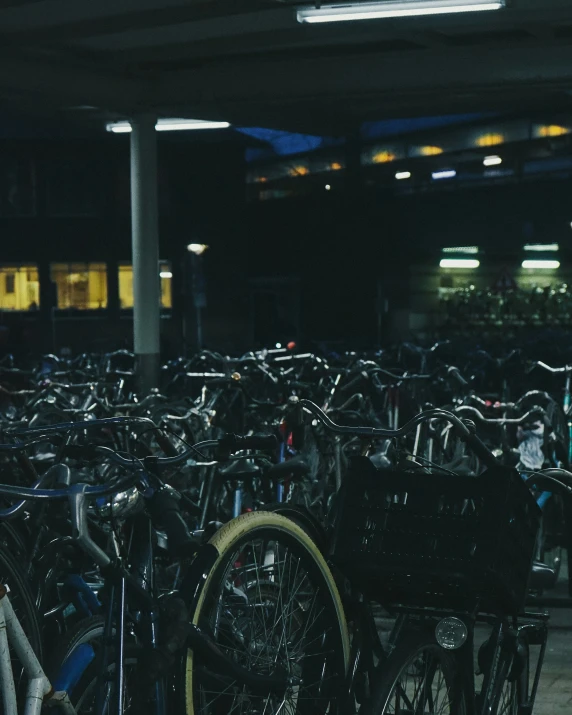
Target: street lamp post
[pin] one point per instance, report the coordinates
(196, 251)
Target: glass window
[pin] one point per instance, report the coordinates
(126, 285)
(19, 287)
(17, 187)
(80, 286)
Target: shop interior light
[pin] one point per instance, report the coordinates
(393, 8)
(460, 249)
(444, 174)
(492, 160)
(403, 175)
(165, 274)
(541, 264)
(169, 125)
(459, 263)
(541, 247)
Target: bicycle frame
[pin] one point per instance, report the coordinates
(39, 687)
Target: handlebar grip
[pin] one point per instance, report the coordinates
(480, 449)
(166, 513)
(455, 373)
(165, 444)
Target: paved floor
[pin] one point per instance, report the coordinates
(555, 689)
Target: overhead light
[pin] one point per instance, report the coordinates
(460, 249)
(165, 274)
(492, 160)
(327, 187)
(403, 175)
(444, 174)
(541, 247)
(169, 125)
(118, 127)
(430, 150)
(491, 139)
(393, 8)
(541, 264)
(552, 130)
(197, 248)
(383, 157)
(459, 263)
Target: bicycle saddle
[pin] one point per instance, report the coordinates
(241, 469)
(294, 468)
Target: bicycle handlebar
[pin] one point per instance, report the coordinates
(466, 432)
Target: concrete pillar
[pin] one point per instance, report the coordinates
(145, 250)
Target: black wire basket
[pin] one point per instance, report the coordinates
(436, 541)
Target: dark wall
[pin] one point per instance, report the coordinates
(344, 249)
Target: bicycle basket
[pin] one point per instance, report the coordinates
(438, 541)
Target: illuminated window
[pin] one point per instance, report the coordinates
(299, 170)
(490, 139)
(553, 130)
(126, 285)
(430, 150)
(383, 157)
(80, 286)
(19, 287)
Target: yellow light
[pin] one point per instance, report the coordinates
(553, 130)
(335, 166)
(299, 171)
(490, 139)
(459, 263)
(431, 150)
(541, 264)
(261, 179)
(383, 157)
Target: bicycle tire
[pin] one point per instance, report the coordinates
(412, 646)
(228, 541)
(87, 630)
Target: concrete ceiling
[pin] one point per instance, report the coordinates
(251, 63)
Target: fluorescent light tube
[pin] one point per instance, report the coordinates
(492, 160)
(541, 247)
(460, 249)
(444, 174)
(170, 125)
(393, 8)
(459, 263)
(403, 175)
(541, 264)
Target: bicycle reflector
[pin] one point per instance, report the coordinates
(451, 633)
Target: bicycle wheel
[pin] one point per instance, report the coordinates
(269, 601)
(83, 695)
(418, 677)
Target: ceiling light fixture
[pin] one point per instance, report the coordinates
(393, 8)
(459, 263)
(170, 125)
(541, 264)
(492, 160)
(541, 247)
(444, 174)
(460, 249)
(400, 175)
(165, 274)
